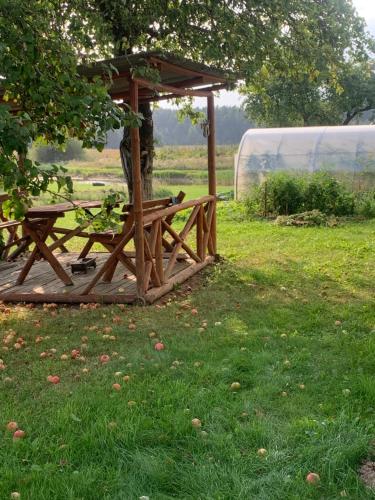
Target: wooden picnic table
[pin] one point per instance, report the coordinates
(39, 224)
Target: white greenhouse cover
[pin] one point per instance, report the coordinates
(343, 149)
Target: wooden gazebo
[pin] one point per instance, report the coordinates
(161, 256)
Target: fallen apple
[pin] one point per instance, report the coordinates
(313, 478)
(116, 387)
(75, 354)
(159, 346)
(12, 426)
(54, 379)
(19, 434)
(235, 386)
(262, 452)
(15, 495)
(104, 358)
(196, 422)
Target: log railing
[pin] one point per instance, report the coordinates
(164, 245)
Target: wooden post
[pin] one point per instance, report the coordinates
(137, 196)
(211, 147)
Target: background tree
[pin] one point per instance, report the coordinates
(239, 36)
(43, 95)
(317, 98)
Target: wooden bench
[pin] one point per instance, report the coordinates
(116, 242)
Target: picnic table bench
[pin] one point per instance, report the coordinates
(39, 224)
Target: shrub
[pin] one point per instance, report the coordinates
(280, 194)
(162, 193)
(365, 204)
(285, 194)
(51, 154)
(325, 193)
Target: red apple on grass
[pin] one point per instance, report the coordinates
(19, 434)
(312, 478)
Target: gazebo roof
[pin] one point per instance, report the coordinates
(177, 76)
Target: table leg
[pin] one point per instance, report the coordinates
(40, 246)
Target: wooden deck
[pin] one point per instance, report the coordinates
(42, 285)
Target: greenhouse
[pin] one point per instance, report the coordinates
(346, 152)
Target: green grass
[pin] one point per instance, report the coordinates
(86, 191)
(187, 161)
(84, 441)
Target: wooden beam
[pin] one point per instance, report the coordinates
(211, 150)
(166, 97)
(137, 195)
(162, 87)
(64, 298)
(156, 293)
(164, 212)
(185, 71)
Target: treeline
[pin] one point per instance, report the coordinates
(231, 123)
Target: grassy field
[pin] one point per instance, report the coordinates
(289, 314)
(172, 165)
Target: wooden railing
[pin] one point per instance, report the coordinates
(164, 245)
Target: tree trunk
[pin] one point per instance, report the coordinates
(146, 133)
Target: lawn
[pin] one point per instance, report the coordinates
(172, 164)
(289, 314)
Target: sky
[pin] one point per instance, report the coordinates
(365, 8)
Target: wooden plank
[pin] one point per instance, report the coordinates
(206, 238)
(137, 194)
(156, 293)
(162, 87)
(176, 208)
(185, 71)
(69, 298)
(181, 239)
(159, 251)
(211, 148)
(58, 209)
(177, 238)
(199, 222)
(111, 259)
(67, 237)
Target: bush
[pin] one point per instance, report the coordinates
(162, 193)
(285, 194)
(365, 204)
(280, 194)
(325, 193)
(50, 154)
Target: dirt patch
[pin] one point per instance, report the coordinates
(367, 473)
